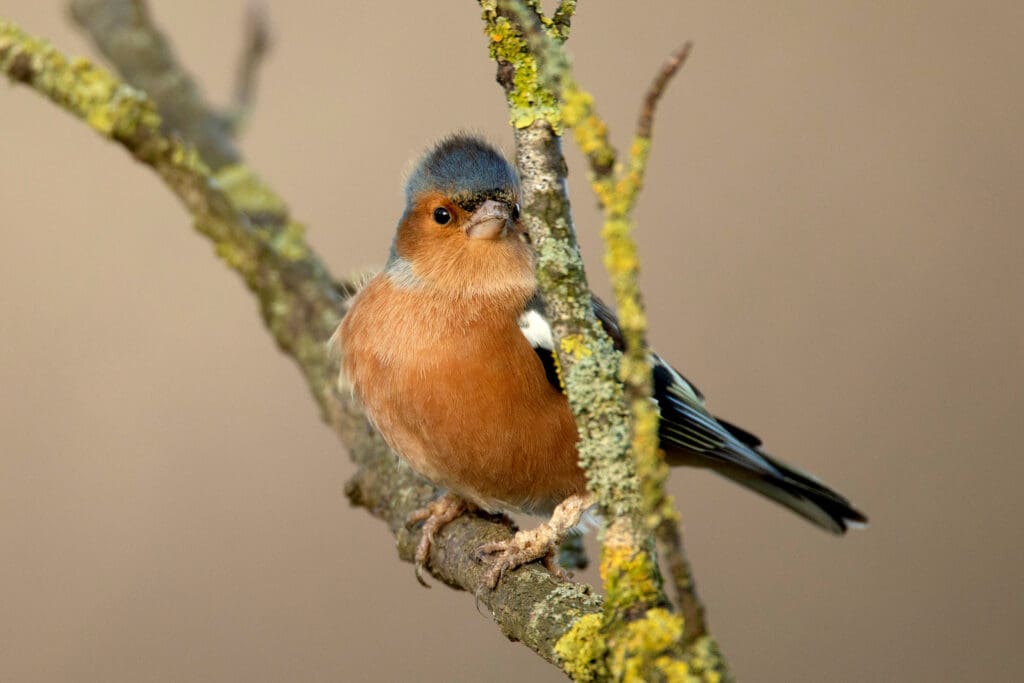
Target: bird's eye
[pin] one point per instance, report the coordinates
(515, 212)
(442, 216)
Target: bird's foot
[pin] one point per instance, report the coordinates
(434, 516)
(540, 543)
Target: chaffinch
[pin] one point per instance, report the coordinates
(450, 354)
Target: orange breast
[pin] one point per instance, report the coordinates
(458, 392)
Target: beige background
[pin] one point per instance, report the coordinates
(831, 235)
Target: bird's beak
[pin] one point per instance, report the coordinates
(490, 221)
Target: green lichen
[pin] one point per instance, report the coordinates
(604, 450)
(247, 191)
(251, 195)
(565, 604)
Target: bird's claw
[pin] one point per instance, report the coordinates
(536, 544)
(526, 546)
(435, 515)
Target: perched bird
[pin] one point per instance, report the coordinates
(450, 354)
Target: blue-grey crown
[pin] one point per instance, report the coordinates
(466, 169)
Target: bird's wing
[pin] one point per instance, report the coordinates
(691, 435)
(685, 422)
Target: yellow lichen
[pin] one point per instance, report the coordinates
(640, 654)
(706, 660)
(582, 649)
(576, 346)
(110, 107)
(630, 577)
(528, 99)
(642, 650)
(589, 130)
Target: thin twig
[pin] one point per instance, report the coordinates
(254, 52)
(670, 547)
(657, 88)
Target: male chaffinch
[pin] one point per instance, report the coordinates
(449, 352)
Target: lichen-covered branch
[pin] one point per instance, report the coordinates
(588, 361)
(617, 190)
(301, 304)
(635, 636)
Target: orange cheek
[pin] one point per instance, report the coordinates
(431, 249)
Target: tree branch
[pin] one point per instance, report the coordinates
(617, 192)
(533, 71)
(125, 34)
(302, 306)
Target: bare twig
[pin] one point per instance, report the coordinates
(257, 46)
(657, 89)
(670, 547)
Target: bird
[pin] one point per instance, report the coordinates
(449, 351)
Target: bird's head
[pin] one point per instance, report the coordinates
(461, 230)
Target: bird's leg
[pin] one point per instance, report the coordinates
(434, 516)
(539, 543)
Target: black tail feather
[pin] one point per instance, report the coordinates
(802, 494)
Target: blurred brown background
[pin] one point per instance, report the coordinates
(831, 235)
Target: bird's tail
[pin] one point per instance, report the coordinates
(801, 493)
(692, 436)
(789, 487)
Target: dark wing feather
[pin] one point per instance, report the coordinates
(690, 435)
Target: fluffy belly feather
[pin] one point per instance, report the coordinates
(485, 422)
